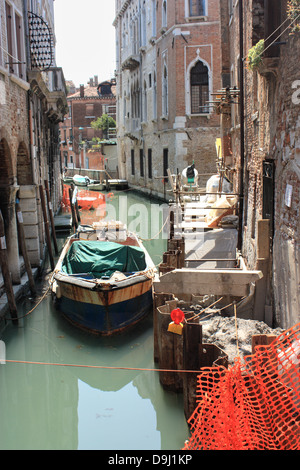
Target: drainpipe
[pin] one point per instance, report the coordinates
(242, 135)
(141, 90)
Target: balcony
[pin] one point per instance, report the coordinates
(133, 128)
(130, 58)
(51, 85)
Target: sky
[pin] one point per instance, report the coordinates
(85, 39)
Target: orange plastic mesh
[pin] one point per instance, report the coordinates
(252, 405)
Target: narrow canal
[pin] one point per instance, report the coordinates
(64, 403)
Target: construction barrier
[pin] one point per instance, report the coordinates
(252, 405)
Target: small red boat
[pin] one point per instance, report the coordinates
(85, 200)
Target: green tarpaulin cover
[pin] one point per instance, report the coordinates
(102, 259)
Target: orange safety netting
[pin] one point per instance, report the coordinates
(253, 405)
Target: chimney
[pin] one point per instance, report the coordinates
(96, 80)
(81, 91)
(91, 82)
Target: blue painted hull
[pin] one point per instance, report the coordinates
(105, 318)
(109, 304)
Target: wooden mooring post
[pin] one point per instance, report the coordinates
(178, 353)
(173, 258)
(46, 225)
(22, 242)
(51, 216)
(6, 274)
(73, 211)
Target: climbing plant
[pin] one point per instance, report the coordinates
(255, 55)
(293, 11)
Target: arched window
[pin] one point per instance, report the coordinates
(145, 108)
(164, 13)
(199, 88)
(154, 96)
(165, 92)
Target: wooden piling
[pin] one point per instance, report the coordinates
(77, 212)
(178, 353)
(173, 258)
(170, 350)
(6, 274)
(22, 242)
(46, 225)
(158, 301)
(196, 356)
(74, 218)
(51, 216)
(192, 341)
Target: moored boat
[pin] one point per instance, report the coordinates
(103, 279)
(96, 186)
(85, 199)
(118, 184)
(80, 180)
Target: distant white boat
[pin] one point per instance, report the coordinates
(96, 186)
(80, 180)
(118, 184)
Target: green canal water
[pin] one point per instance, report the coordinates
(64, 403)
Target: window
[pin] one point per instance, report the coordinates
(197, 7)
(154, 102)
(154, 18)
(199, 89)
(89, 111)
(145, 110)
(165, 164)
(150, 163)
(143, 26)
(230, 8)
(165, 91)
(15, 50)
(132, 163)
(9, 28)
(164, 14)
(142, 163)
(65, 159)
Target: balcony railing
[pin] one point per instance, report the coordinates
(130, 56)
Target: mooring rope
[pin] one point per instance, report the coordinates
(153, 238)
(58, 364)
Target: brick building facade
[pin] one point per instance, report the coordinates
(168, 66)
(78, 139)
(263, 156)
(32, 102)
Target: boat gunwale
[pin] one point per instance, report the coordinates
(102, 285)
(98, 284)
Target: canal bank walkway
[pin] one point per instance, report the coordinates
(20, 290)
(63, 226)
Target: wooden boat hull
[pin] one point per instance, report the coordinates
(96, 187)
(104, 311)
(118, 184)
(108, 303)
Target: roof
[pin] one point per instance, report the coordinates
(92, 92)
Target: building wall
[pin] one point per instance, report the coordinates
(174, 47)
(271, 157)
(14, 130)
(76, 132)
(285, 147)
(30, 108)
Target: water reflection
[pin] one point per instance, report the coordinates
(64, 407)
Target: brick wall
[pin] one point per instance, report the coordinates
(272, 134)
